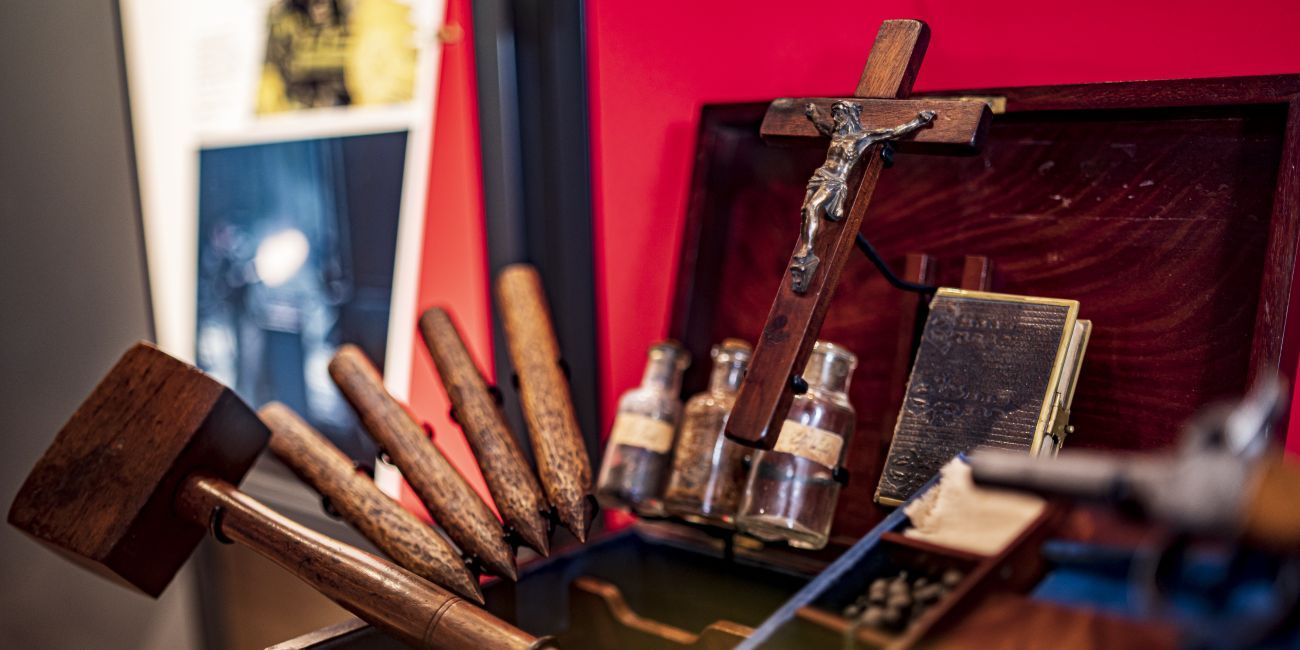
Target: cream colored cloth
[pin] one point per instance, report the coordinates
(957, 514)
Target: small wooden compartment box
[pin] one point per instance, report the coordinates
(895, 553)
(1169, 209)
(1013, 570)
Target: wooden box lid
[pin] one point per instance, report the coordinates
(1169, 209)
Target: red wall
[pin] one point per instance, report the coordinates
(453, 262)
(653, 64)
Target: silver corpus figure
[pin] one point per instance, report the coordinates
(828, 187)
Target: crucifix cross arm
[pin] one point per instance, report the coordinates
(823, 126)
(834, 205)
(958, 126)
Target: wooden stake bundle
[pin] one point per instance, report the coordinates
(397, 532)
(448, 496)
(506, 470)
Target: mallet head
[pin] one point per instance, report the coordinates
(102, 493)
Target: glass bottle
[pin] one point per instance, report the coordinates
(638, 453)
(708, 476)
(791, 491)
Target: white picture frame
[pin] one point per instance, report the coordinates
(192, 68)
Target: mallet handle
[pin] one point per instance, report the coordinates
(398, 533)
(562, 460)
(509, 478)
(450, 499)
(386, 596)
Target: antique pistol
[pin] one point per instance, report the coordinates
(1224, 481)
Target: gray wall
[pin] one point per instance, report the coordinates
(72, 298)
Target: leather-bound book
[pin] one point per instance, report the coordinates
(992, 370)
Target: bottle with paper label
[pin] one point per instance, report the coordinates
(792, 490)
(708, 476)
(639, 451)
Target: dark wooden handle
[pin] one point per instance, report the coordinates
(553, 428)
(448, 496)
(509, 478)
(389, 597)
(393, 529)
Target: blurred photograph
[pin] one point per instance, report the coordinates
(296, 253)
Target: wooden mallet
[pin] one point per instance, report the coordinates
(147, 465)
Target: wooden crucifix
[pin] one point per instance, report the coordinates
(836, 201)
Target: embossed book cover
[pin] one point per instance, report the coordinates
(992, 370)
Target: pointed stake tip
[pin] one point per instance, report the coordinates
(577, 527)
(528, 530)
(458, 579)
(535, 536)
(472, 592)
(537, 541)
(503, 562)
(578, 520)
(497, 556)
(470, 587)
(510, 573)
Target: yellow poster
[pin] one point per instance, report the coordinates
(322, 53)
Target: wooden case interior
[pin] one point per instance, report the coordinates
(1158, 205)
